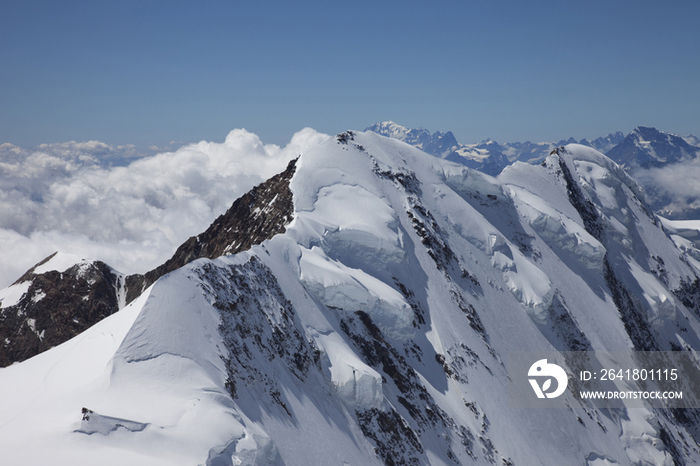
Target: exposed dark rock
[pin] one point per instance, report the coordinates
(258, 326)
(56, 307)
(258, 215)
(459, 358)
(398, 433)
(396, 443)
(77, 299)
(678, 459)
(343, 138)
(418, 313)
(658, 269)
(674, 439)
(561, 329)
(488, 449)
(405, 179)
(470, 313)
(632, 317)
(689, 294)
(585, 208)
(430, 235)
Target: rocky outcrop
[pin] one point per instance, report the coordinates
(260, 214)
(56, 306)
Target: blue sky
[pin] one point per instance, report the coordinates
(151, 72)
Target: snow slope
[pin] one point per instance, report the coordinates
(375, 330)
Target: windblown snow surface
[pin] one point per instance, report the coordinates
(375, 329)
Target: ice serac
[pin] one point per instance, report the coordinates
(377, 323)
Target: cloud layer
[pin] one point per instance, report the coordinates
(673, 190)
(113, 204)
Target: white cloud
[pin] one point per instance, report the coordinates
(70, 197)
(674, 187)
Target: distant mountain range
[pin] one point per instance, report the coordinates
(651, 156)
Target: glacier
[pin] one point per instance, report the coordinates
(374, 328)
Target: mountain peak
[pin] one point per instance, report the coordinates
(647, 147)
(60, 284)
(440, 144)
(378, 317)
(256, 216)
(648, 133)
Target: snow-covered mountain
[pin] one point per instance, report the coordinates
(439, 144)
(373, 325)
(647, 147)
(487, 156)
(667, 166)
(604, 144)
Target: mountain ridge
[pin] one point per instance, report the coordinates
(254, 217)
(379, 323)
(487, 156)
(25, 326)
(664, 163)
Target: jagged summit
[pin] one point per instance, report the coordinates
(440, 144)
(80, 292)
(604, 144)
(375, 328)
(256, 216)
(647, 147)
(488, 156)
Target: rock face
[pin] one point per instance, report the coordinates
(256, 216)
(55, 305)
